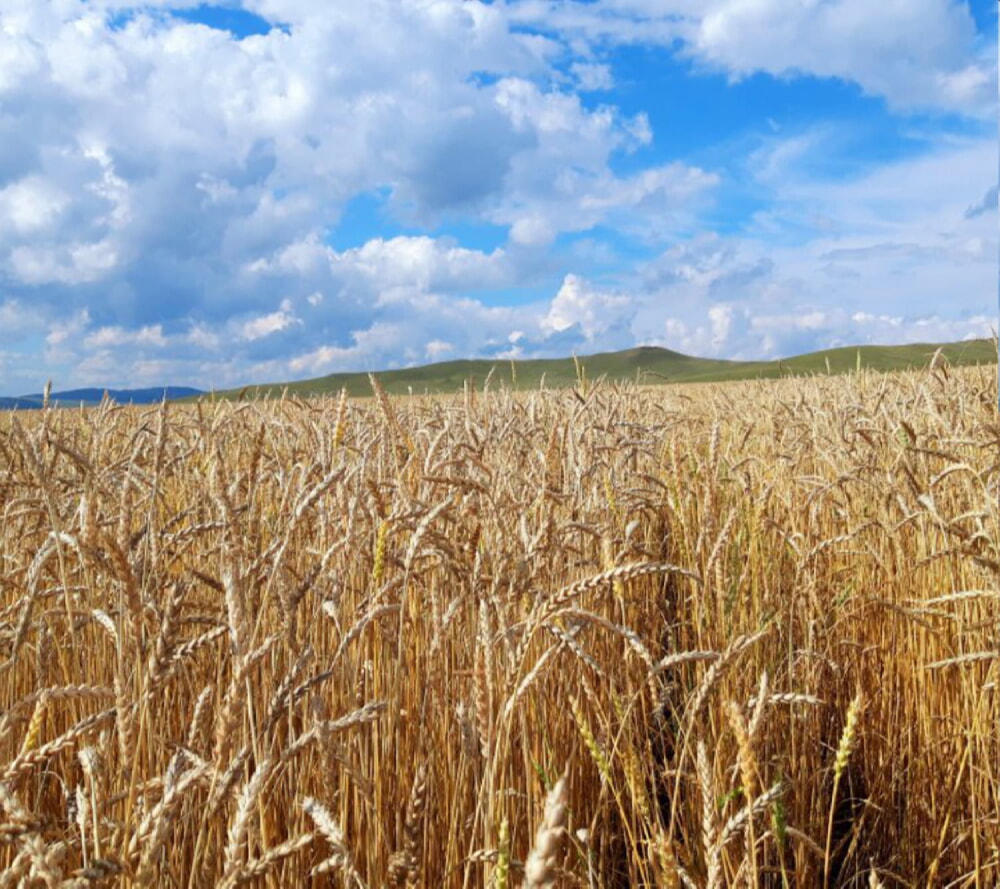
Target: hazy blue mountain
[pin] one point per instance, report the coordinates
(74, 397)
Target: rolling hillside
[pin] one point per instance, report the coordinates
(646, 364)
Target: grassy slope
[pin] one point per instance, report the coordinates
(651, 365)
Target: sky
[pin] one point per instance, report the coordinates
(214, 195)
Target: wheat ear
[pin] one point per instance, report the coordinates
(540, 868)
(848, 738)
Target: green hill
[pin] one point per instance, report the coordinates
(647, 364)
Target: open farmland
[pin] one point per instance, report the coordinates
(606, 637)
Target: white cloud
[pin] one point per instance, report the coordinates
(592, 77)
(423, 263)
(31, 204)
(580, 305)
(70, 263)
(203, 338)
(565, 184)
(914, 53)
(438, 349)
(264, 325)
(107, 337)
(18, 319)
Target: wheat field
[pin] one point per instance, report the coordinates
(611, 636)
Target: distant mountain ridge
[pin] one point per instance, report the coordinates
(91, 396)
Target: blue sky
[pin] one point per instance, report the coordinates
(221, 194)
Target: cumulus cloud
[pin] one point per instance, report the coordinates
(564, 182)
(590, 310)
(20, 319)
(31, 204)
(914, 54)
(591, 76)
(917, 54)
(264, 325)
(105, 337)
